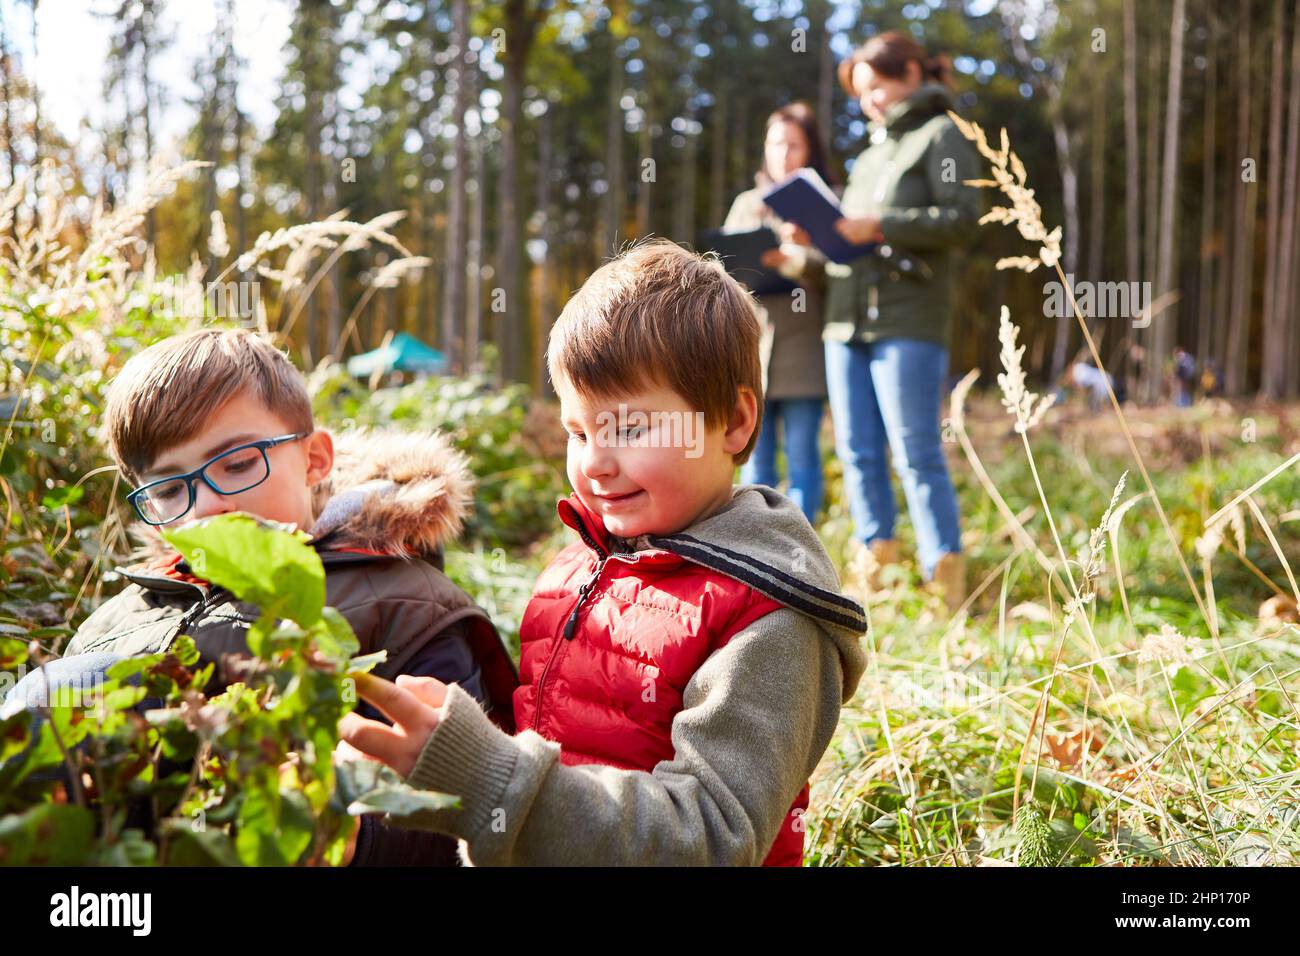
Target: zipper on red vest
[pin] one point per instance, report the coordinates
(570, 628)
(571, 624)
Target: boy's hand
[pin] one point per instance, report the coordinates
(413, 704)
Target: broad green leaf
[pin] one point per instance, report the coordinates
(257, 562)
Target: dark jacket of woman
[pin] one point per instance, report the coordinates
(912, 177)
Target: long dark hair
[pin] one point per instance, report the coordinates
(803, 116)
(888, 54)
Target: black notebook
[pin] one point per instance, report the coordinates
(804, 199)
(742, 256)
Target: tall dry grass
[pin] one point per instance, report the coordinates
(1054, 731)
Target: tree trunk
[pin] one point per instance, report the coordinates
(1132, 172)
(545, 277)
(513, 334)
(718, 197)
(613, 219)
(453, 286)
(1279, 314)
(1151, 216)
(1235, 371)
(1210, 251)
(643, 185)
(1166, 327)
(473, 266)
(1097, 175)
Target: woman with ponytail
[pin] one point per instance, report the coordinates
(889, 312)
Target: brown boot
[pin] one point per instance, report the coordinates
(871, 560)
(949, 579)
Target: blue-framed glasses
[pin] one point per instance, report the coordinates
(234, 470)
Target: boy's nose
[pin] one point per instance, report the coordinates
(599, 462)
(208, 502)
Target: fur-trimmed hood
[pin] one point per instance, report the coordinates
(391, 491)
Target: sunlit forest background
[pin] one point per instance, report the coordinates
(527, 140)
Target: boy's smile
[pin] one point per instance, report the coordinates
(656, 477)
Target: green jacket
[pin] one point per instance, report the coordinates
(911, 177)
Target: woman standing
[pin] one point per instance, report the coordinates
(889, 313)
(794, 371)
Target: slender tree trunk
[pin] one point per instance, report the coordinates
(36, 100)
(1281, 357)
(825, 77)
(718, 197)
(453, 287)
(513, 332)
(1273, 173)
(1235, 371)
(478, 202)
(613, 219)
(545, 270)
(684, 219)
(146, 107)
(1151, 224)
(644, 173)
(428, 294)
(1166, 327)
(1132, 174)
(1097, 174)
(6, 66)
(1209, 252)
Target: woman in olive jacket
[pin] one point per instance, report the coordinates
(889, 313)
(794, 369)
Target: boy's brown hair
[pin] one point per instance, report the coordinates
(660, 315)
(165, 395)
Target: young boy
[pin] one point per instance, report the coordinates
(380, 506)
(684, 662)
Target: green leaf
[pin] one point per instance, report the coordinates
(364, 663)
(204, 847)
(46, 835)
(58, 497)
(185, 650)
(402, 801)
(336, 639)
(258, 562)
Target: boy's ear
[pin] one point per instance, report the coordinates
(744, 416)
(320, 456)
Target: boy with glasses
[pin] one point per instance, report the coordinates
(218, 421)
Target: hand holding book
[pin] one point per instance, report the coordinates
(805, 200)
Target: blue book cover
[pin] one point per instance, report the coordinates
(805, 200)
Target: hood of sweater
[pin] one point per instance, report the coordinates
(391, 492)
(761, 539)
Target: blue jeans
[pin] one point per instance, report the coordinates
(886, 393)
(801, 421)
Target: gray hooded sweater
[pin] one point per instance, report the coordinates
(755, 720)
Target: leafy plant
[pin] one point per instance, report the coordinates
(243, 777)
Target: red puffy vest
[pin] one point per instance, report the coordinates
(602, 674)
